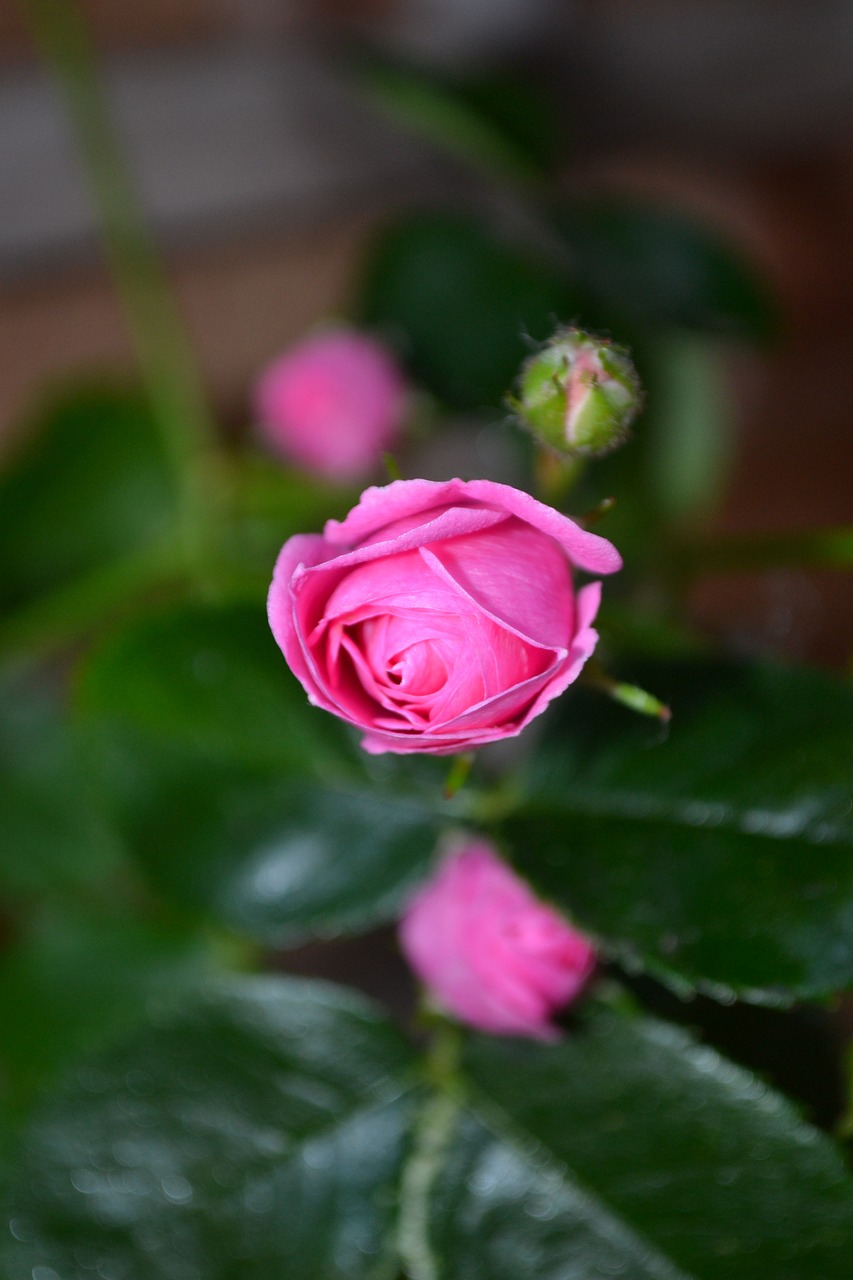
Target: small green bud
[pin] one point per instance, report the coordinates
(579, 394)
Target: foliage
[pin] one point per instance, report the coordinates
(174, 815)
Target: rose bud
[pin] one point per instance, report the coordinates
(332, 404)
(579, 394)
(491, 953)
(438, 616)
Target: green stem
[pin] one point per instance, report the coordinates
(162, 348)
(392, 467)
(557, 475)
(433, 1136)
(432, 1139)
(458, 774)
(442, 1060)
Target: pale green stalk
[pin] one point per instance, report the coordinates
(165, 360)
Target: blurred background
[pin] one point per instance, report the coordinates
(272, 141)
(266, 167)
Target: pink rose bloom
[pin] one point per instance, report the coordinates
(333, 403)
(438, 616)
(491, 953)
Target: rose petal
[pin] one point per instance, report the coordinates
(315, 584)
(582, 647)
(304, 549)
(433, 525)
(517, 574)
(586, 550)
(403, 580)
(381, 506)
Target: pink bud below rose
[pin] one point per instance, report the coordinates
(488, 951)
(332, 404)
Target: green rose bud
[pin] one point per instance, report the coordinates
(579, 394)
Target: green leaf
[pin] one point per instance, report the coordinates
(79, 979)
(211, 677)
(499, 1213)
(90, 485)
(630, 1150)
(498, 124)
(655, 266)
(464, 304)
(235, 796)
(717, 853)
(279, 860)
(54, 838)
(522, 108)
(258, 1132)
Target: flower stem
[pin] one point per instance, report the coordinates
(458, 775)
(392, 467)
(556, 475)
(166, 363)
(433, 1135)
(445, 1046)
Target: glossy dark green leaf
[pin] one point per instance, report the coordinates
(258, 1132)
(278, 859)
(54, 836)
(499, 1214)
(463, 304)
(715, 852)
(238, 798)
(75, 980)
(212, 677)
(91, 483)
(629, 1150)
(653, 265)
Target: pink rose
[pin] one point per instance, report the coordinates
(489, 951)
(438, 616)
(333, 403)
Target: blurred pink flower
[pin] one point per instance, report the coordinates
(438, 616)
(332, 404)
(490, 952)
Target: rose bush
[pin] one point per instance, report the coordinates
(438, 616)
(491, 953)
(333, 403)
